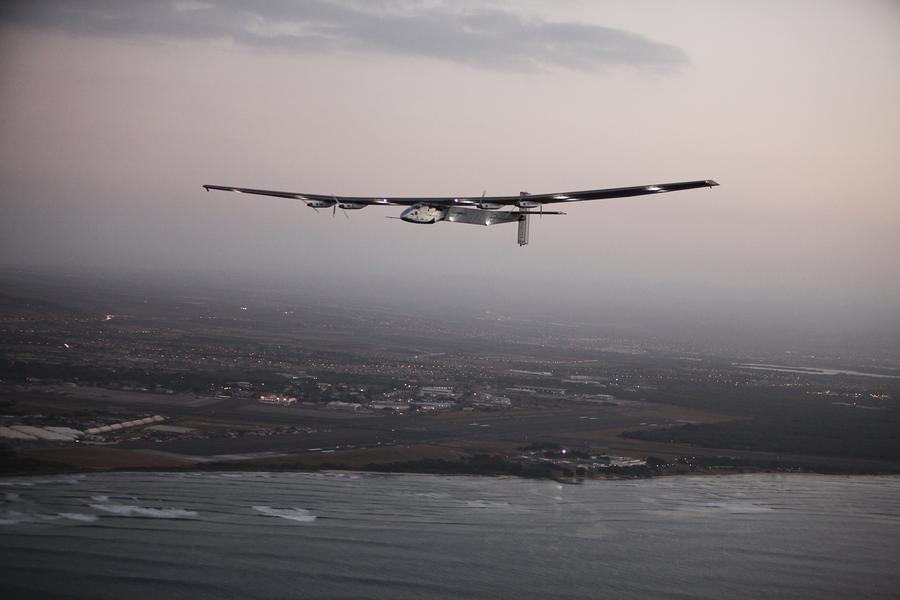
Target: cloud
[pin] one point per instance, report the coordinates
(494, 37)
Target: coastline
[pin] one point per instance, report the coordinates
(478, 465)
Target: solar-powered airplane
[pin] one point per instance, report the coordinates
(476, 210)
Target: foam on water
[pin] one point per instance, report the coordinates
(213, 535)
(292, 514)
(15, 517)
(130, 510)
(486, 504)
(33, 481)
(432, 495)
(84, 518)
(738, 507)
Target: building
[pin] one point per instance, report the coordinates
(436, 391)
(491, 401)
(427, 405)
(278, 400)
(394, 406)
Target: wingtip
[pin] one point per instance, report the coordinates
(711, 183)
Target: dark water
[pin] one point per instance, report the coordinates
(285, 535)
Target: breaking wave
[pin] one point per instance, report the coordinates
(15, 517)
(293, 514)
(33, 481)
(129, 510)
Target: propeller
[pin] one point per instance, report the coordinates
(334, 208)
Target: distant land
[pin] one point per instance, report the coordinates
(105, 371)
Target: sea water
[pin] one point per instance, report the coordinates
(349, 535)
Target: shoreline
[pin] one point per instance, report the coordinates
(454, 468)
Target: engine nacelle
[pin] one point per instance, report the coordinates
(351, 205)
(320, 203)
(421, 213)
(489, 206)
(524, 202)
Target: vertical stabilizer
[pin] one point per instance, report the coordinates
(523, 229)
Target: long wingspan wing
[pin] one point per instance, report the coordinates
(331, 198)
(638, 190)
(624, 192)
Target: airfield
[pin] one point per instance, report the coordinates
(232, 431)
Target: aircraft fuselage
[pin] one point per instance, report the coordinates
(423, 214)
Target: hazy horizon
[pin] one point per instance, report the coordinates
(112, 117)
(630, 316)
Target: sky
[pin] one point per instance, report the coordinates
(114, 114)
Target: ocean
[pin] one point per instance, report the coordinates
(353, 535)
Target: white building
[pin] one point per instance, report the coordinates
(278, 399)
(437, 391)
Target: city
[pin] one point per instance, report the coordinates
(186, 377)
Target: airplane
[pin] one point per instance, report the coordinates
(476, 210)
